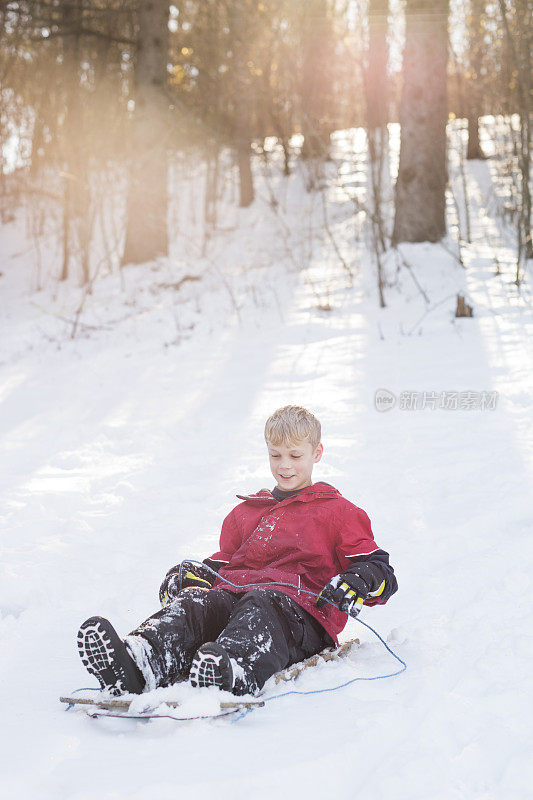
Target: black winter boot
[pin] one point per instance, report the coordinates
(105, 656)
(211, 666)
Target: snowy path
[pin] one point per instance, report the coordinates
(121, 458)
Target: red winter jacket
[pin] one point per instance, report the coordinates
(305, 540)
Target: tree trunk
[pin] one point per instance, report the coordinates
(76, 194)
(376, 80)
(525, 28)
(519, 35)
(238, 14)
(473, 101)
(246, 181)
(316, 86)
(421, 184)
(377, 105)
(146, 226)
(377, 117)
(474, 150)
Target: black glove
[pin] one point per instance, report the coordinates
(347, 591)
(183, 576)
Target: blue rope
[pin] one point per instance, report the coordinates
(313, 594)
(82, 689)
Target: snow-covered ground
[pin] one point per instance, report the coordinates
(123, 449)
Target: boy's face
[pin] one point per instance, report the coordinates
(292, 465)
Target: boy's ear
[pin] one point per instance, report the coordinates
(318, 452)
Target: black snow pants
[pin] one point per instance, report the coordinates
(263, 631)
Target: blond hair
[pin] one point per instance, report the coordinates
(292, 424)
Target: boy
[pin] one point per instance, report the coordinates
(299, 537)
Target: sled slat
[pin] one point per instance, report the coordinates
(118, 704)
(326, 655)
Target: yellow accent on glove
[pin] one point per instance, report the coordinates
(351, 593)
(194, 577)
(379, 590)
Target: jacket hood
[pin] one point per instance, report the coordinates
(313, 492)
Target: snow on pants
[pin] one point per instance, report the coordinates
(263, 630)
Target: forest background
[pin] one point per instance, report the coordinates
(211, 209)
(106, 108)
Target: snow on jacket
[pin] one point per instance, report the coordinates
(305, 540)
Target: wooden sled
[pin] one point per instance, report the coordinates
(122, 705)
